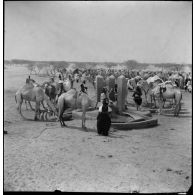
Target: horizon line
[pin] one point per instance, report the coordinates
(100, 61)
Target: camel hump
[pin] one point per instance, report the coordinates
(69, 95)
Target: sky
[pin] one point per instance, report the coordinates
(147, 31)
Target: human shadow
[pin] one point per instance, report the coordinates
(81, 129)
(111, 133)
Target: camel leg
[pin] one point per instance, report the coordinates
(42, 103)
(31, 106)
(83, 119)
(179, 109)
(37, 108)
(19, 102)
(60, 114)
(177, 105)
(151, 100)
(175, 110)
(163, 103)
(160, 106)
(26, 105)
(154, 101)
(60, 119)
(20, 109)
(146, 97)
(62, 122)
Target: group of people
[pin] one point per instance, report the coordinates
(104, 113)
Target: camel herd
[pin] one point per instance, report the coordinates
(157, 88)
(153, 87)
(68, 100)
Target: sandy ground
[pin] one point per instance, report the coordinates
(42, 156)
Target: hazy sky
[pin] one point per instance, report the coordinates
(99, 31)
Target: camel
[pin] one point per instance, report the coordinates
(148, 88)
(54, 89)
(73, 100)
(67, 84)
(132, 83)
(50, 91)
(35, 94)
(177, 77)
(43, 86)
(164, 92)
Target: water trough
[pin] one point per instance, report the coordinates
(125, 121)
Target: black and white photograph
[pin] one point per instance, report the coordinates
(97, 96)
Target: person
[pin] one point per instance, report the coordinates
(71, 80)
(83, 88)
(103, 119)
(84, 82)
(104, 95)
(51, 80)
(137, 97)
(112, 95)
(186, 82)
(60, 77)
(116, 91)
(77, 77)
(189, 85)
(60, 88)
(177, 83)
(28, 79)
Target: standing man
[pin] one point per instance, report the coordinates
(83, 88)
(137, 97)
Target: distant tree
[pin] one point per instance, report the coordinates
(31, 67)
(41, 66)
(60, 67)
(20, 61)
(131, 64)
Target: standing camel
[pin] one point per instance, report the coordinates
(35, 94)
(164, 92)
(72, 99)
(149, 88)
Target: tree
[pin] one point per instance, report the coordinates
(31, 68)
(40, 67)
(60, 67)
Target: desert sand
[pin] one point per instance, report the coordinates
(42, 156)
